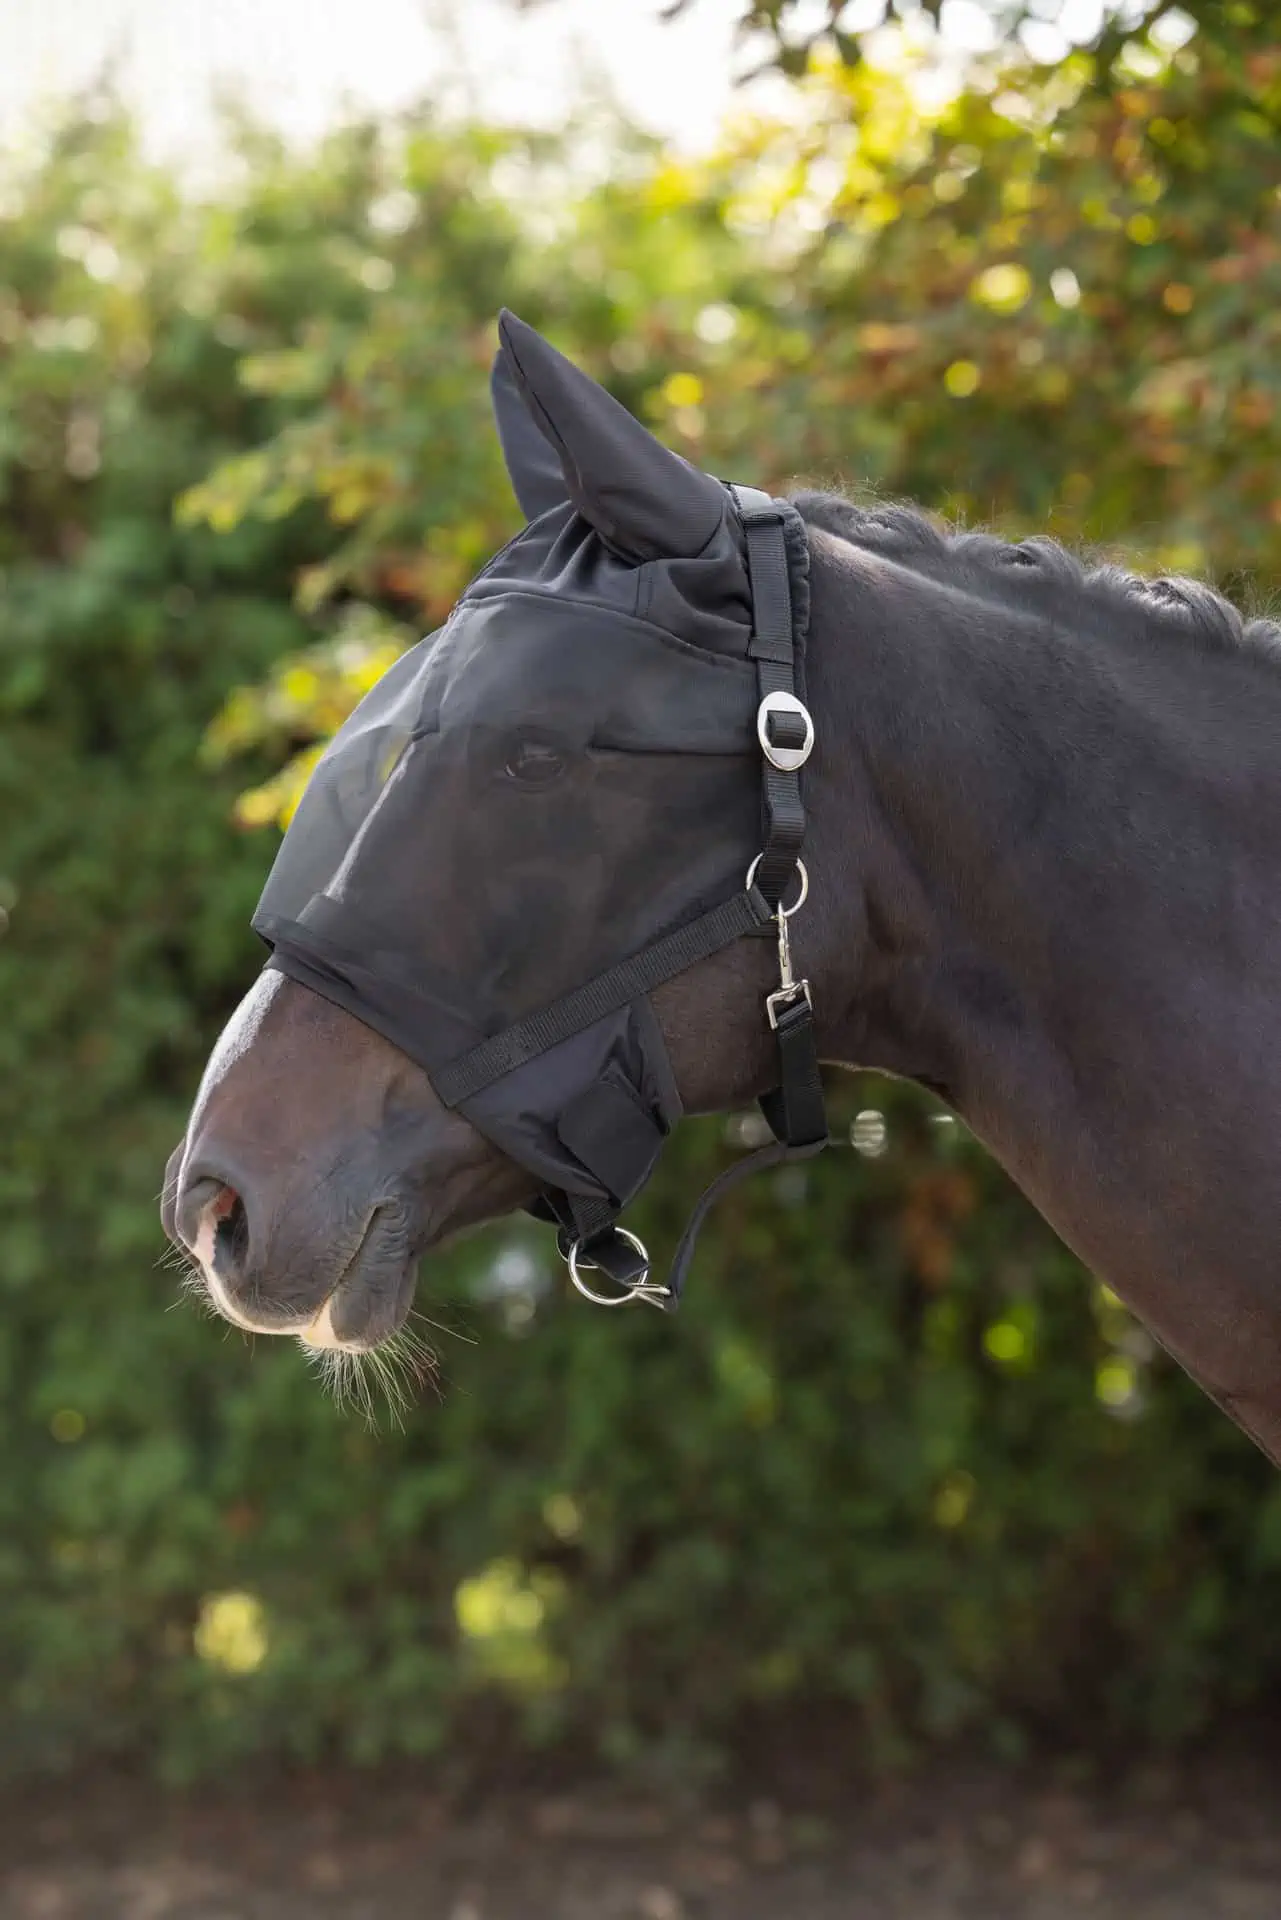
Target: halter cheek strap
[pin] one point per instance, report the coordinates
(618, 1147)
(794, 1109)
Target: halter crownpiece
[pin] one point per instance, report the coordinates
(646, 610)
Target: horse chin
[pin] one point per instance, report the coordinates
(344, 1326)
(321, 1336)
(372, 1300)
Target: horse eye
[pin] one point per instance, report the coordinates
(535, 764)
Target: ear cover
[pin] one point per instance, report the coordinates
(644, 501)
(533, 465)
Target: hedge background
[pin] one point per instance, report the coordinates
(899, 1453)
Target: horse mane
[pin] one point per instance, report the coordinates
(1004, 570)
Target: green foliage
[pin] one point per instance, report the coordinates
(897, 1451)
(800, 35)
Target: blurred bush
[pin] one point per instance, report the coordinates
(898, 1452)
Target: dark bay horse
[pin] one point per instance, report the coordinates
(1044, 848)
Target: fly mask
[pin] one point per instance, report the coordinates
(586, 781)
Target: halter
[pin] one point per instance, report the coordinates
(609, 1132)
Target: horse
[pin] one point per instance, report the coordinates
(1043, 854)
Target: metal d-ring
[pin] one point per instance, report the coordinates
(633, 1289)
(785, 912)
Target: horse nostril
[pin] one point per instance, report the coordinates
(212, 1223)
(231, 1236)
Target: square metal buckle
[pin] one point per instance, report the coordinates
(778, 1002)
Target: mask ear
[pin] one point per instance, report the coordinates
(643, 500)
(532, 463)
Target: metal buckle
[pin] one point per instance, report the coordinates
(632, 1289)
(786, 759)
(777, 1003)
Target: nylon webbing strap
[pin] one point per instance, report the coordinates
(796, 1110)
(772, 646)
(617, 987)
(771, 1156)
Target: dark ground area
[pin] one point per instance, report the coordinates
(1197, 1842)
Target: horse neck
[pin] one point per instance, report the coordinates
(1043, 890)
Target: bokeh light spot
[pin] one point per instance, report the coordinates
(1005, 1342)
(231, 1632)
(961, 379)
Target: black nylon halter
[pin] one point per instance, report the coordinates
(602, 1125)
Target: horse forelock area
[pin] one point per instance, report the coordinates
(1012, 572)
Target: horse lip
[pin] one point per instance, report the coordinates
(321, 1333)
(319, 1330)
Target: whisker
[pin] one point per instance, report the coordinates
(364, 1393)
(415, 1356)
(389, 1377)
(191, 1284)
(393, 1389)
(419, 1362)
(451, 1333)
(392, 1376)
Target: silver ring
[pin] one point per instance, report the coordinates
(801, 897)
(633, 1289)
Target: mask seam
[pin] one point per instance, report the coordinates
(674, 643)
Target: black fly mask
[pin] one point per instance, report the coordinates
(494, 799)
